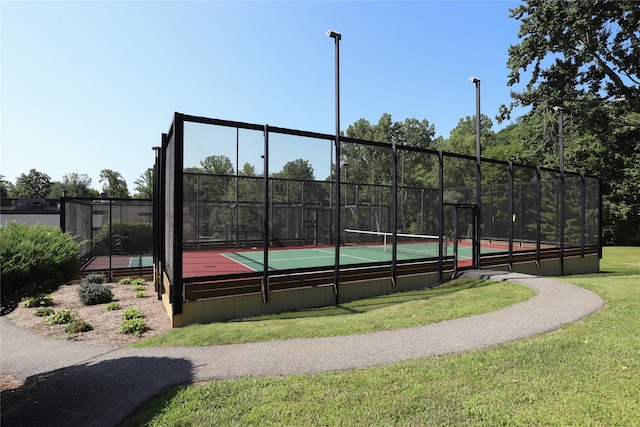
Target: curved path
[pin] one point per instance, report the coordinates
(80, 384)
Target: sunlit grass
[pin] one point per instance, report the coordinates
(458, 298)
(587, 374)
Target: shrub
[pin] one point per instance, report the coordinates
(44, 312)
(36, 259)
(95, 278)
(137, 288)
(94, 293)
(139, 281)
(38, 301)
(132, 313)
(134, 326)
(141, 294)
(126, 281)
(113, 305)
(77, 326)
(127, 238)
(60, 317)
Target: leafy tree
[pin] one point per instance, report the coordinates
(6, 188)
(592, 45)
(585, 57)
(34, 184)
(75, 185)
(218, 164)
(113, 184)
(144, 185)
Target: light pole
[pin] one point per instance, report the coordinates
(560, 138)
(561, 164)
(478, 234)
(336, 271)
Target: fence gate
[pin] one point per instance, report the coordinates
(465, 232)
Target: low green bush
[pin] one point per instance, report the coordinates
(38, 301)
(126, 281)
(132, 313)
(113, 305)
(141, 294)
(137, 287)
(95, 278)
(78, 326)
(139, 281)
(94, 293)
(44, 312)
(61, 317)
(36, 259)
(134, 326)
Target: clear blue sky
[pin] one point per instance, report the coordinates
(92, 85)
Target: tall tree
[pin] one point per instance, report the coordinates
(144, 185)
(74, 185)
(33, 184)
(585, 57)
(218, 164)
(592, 47)
(113, 184)
(6, 188)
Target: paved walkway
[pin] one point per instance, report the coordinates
(85, 385)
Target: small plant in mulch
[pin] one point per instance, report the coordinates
(137, 288)
(132, 313)
(141, 294)
(78, 326)
(134, 326)
(38, 301)
(130, 281)
(44, 312)
(139, 281)
(61, 317)
(133, 322)
(113, 305)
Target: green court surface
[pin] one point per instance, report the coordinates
(140, 261)
(284, 259)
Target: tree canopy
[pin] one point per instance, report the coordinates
(113, 184)
(587, 51)
(33, 184)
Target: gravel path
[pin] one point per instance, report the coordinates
(80, 384)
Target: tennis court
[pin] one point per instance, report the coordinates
(288, 259)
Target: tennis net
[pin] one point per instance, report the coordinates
(413, 244)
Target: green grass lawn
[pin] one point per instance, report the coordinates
(587, 374)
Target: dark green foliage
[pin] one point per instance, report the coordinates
(95, 278)
(38, 301)
(78, 326)
(127, 238)
(44, 312)
(36, 259)
(92, 293)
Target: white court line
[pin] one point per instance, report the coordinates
(347, 255)
(238, 262)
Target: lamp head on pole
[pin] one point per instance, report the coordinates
(474, 80)
(334, 35)
(556, 109)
